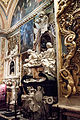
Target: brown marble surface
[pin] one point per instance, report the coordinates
(72, 103)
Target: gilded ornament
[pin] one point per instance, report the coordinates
(67, 72)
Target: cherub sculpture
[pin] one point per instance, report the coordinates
(65, 74)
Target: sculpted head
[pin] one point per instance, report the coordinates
(49, 45)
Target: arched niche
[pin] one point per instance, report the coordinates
(12, 67)
(46, 37)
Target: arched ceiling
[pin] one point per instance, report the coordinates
(7, 8)
(6, 4)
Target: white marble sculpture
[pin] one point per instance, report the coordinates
(41, 25)
(46, 59)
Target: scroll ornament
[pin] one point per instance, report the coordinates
(69, 42)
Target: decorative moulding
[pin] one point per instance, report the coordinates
(29, 16)
(69, 24)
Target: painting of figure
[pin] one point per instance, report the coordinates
(27, 36)
(23, 8)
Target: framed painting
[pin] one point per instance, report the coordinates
(27, 36)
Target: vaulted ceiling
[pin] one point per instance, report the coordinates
(7, 8)
(6, 4)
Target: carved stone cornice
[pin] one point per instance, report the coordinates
(9, 10)
(30, 16)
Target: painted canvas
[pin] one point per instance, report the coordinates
(27, 36)
(23, 8)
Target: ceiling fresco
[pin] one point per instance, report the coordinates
(9, 13)
(23, 8)
(12, 11)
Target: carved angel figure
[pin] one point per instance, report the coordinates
(48, 60)
(66, 75)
